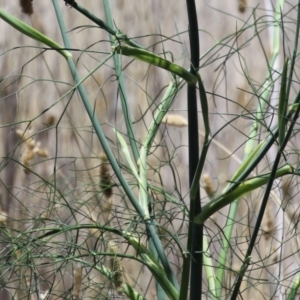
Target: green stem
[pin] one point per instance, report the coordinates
(248, 153)
(206, 142)
(122, 88)
(33, 33)
(295, 288)
(103, 25)
(153, 59)
(161, 111)
(244, 188)
(209, 269)
(94, 119)
(112, 159)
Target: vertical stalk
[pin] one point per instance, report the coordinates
(102, 139)
(195, 234)
(122, 89)
(248, 149)
(277, 159)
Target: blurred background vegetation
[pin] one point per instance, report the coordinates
(54, 172)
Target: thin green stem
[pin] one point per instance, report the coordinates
(247, 155)
(209, 269)
(266, 195)
(206, 142)
(101, 136)
(122, 88)
(94, 119)
(161, 111)
(103, 25)
(145, 256)
(293, 60)
(153, 59)
(244, 188)
(294, 289)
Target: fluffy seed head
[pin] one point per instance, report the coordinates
(175, 120)
(208, 185)
(105, 177)
(117, 268)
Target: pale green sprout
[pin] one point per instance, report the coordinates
(125, 150)
(142, 179)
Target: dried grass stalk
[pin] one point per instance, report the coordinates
(32, 149)
(116, 267)
(77, 281)
(105, 177)
(268, 224)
